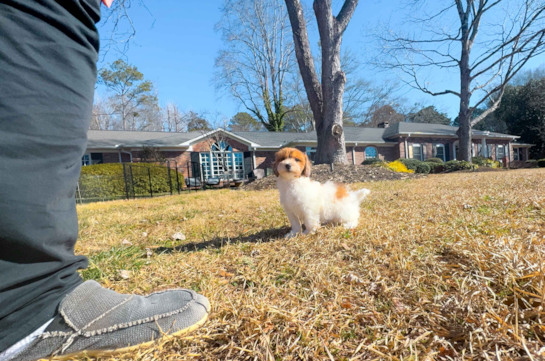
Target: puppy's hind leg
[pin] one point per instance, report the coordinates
(295, 225)
(312, 223)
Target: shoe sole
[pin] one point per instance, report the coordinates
(108, 353)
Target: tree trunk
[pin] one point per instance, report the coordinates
(464, 116)
(326, 99)
(331, 147)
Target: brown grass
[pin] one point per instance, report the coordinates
(444, 267)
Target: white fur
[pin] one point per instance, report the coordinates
(313, 204)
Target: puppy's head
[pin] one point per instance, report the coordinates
(291, 163)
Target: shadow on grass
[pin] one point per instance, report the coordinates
(217, 243)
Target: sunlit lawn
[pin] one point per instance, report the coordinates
(446, 266)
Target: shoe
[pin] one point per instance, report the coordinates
(98, 322)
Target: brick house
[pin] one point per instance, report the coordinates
(248, 151)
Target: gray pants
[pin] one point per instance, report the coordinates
(48, 54)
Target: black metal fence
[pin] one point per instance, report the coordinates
(138, 180)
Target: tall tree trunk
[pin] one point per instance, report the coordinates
(331, 147)
(326, 99)
(464, 116)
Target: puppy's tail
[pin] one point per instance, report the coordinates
(361, 194)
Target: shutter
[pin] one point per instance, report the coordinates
(447, 151)
(195, 165)
(248, 162)
(410, 151)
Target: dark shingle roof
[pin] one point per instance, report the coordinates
(433, 129)
(275, 139)
(112, 138)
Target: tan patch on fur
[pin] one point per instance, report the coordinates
(341, 192)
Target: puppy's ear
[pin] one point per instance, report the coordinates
(306, 170)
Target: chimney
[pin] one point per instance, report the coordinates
(384, 124)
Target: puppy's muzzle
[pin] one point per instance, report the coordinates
(288, 167)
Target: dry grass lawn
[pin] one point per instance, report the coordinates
(446, 267)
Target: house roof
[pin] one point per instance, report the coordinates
(107, 139)
(352, 135)
(405, 128)
(121, 138)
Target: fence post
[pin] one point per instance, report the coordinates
(177, 179)
(79, 193)
(149, 176)
(132, 182)
(125, 178)
(169, 179)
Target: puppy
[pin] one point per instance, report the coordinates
(310, 202)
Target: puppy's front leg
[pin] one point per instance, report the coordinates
(295, 225)
(312, 223)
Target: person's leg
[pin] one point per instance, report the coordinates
(48, 53)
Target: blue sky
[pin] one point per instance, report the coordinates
(176, 45)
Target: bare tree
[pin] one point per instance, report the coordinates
(325, 97)
(258, 55)
(490, 41)
(360, 99)
(174, 119)
(119, 26)
(101, 118)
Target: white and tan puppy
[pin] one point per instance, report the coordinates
(310, 202)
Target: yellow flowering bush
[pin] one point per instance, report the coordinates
(397, 166)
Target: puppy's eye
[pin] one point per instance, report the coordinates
(297, 159)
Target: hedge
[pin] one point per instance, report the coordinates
(416, 165)
(486, 162)
(541, 163)
(106, 181)
(435, 160)
(454, 165)
(371, 161)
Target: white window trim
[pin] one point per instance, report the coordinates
(440, 145)
(421, 150)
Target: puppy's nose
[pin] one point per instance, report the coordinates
(288, 167)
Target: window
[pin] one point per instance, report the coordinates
(221, 147)
(222, 161)
(516, 154)
(96, 158)
(85, 160)
(417, 151)
(440, 151)
(371, 153)
(311, 152)
(500, 152)
(481, 153)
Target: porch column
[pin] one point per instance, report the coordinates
(453, 151)
(527, 156)
(354, 155)
(483, 147)
(406, 149)
(253, 159)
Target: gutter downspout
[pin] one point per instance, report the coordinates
(407, 147)
(123, 151)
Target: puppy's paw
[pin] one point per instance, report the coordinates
(350, 225)
(309, 231)
(291, 235)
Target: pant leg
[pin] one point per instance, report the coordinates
(48, 54)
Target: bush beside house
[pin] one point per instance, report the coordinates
(107, 181)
